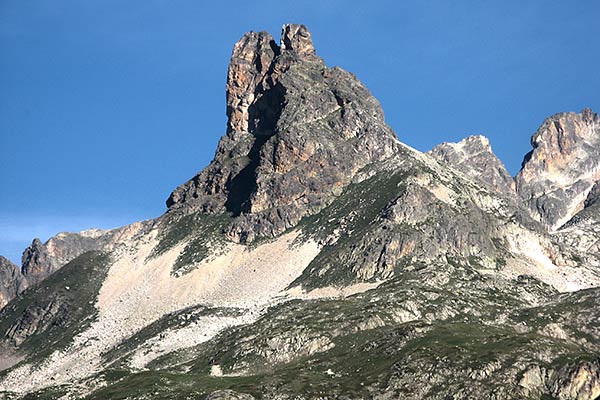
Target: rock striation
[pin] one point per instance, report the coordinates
(563, 167)
(297, 133)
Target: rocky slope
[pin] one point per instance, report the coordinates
(319, 257)
(40, 260)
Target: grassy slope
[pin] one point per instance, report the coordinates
(434, 357)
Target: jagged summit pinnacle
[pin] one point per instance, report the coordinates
(296, 38)
(250, 74)
(297, 132)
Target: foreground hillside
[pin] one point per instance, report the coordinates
(319, 257)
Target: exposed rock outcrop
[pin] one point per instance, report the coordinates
(474, 157)
(228, 395)
(12, 281)
(40, 260)
(36, 262)
(564, 165)
(297, 133)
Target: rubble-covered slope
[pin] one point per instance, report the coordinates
(430, 332)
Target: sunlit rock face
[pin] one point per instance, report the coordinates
(561, 170)
(474, 157)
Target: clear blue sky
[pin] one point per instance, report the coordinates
(106, 105)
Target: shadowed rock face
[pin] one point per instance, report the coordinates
(12, 281)
(562, 168)
(297, 133)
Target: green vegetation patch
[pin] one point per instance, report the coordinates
(204, 233)
(352, 216)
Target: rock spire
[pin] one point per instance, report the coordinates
(297, 132)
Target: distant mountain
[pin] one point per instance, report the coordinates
(564, 165)
(318, 257)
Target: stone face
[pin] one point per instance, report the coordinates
(12, 281)
(297, 38)
(252, 56)
(42, 259)
(593, 195)
(297, 133)
(228, 395)
(474, 157)
(562, 168)
(36, 262)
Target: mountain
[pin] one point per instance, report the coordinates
(563, 167)
(11, 281)
(317, 256)
(297, 132)
(474, 157)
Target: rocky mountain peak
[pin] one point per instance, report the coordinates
(253, 94)
(297, 132)
(296, 38)
(411, 275)
(35, 262)
(557, 175)
(589, 116)
(473, 156)
(252, 57)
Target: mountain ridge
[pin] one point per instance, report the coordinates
(319, 257)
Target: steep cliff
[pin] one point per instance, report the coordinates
(12, 281)
(564, 165)
(474, 157)
(297, 133)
